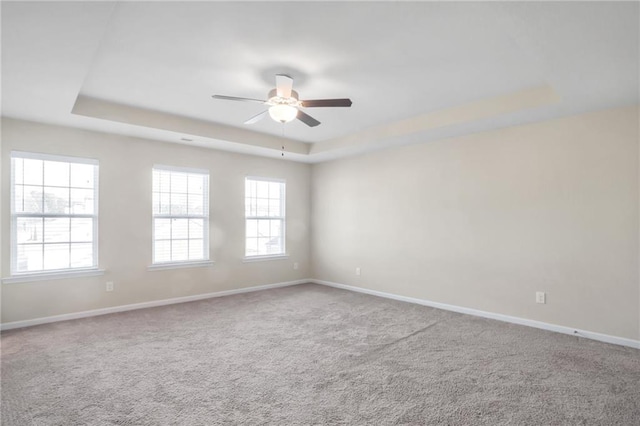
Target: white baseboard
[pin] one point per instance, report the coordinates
(500, 317)
(469, 311)
(151, 304)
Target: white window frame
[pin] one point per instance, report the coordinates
(172, 264)
(282, 218)
(44, 274)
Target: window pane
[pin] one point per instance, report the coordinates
(196, 184)
(56, 173)
(275, 228)
(195, 205)
(263, 246)
(32, 202)
(274, 190)
(252, 246)
(17, 165)
(178, 183)
(263, 207)
(180, 229)
(81, 255)
(82, 201)
(29, 258)
(81, 229)
(252, 228)
(56, 200)
(196, 250)
(56, 256)
(29, 230)
(178, 203)
(262, 189)
(155, 202)
(196, 228)
(56, 230)
(162, 229)
(155, 180)
(179, 250)
(274, 208)
(18, 200)
(32, 171)
(250, 188)
(162, 251)
(263, 228)
(264, 198)
(165, 203)
(251, 207)
(43, 243)
(274, 246)
(165, 180)
(82, 175)
(180, 194)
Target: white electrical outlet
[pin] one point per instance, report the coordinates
(541, 297)
(109, 286)
(295, 265)
(357, 271)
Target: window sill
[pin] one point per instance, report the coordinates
(179, 265)
(46, 276)
(249, 259)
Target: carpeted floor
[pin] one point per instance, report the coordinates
(311, 355)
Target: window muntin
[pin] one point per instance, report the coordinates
(54, 213)
(264, 217)
(180, 215)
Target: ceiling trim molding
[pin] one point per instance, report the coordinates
(458, 115)
(113, 111)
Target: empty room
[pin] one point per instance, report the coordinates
(305, 213)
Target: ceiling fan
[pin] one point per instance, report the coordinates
(284, 103)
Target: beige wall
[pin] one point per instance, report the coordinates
(485, 221)
(125, 222)
(481, 221)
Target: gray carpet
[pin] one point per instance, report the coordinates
(311, 355)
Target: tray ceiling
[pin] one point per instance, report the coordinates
(416, 71)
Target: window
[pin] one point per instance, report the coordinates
(180, 215)
(265, 217)
(54, 213)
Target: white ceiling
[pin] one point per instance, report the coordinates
(148, 69)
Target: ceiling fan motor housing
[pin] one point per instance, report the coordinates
(274, 99)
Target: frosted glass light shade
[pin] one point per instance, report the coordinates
(283, 113)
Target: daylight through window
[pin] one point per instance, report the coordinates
(54, 213)
(265, 217)
(180, 215)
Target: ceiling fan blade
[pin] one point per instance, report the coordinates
(326, 103)
(284, 84)
(307, 119)
(233, 98)
(257, 117)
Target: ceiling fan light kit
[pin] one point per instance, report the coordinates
(284, 104)
(283, 113)
(283, 109)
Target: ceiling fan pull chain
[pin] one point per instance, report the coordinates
(283, 138)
